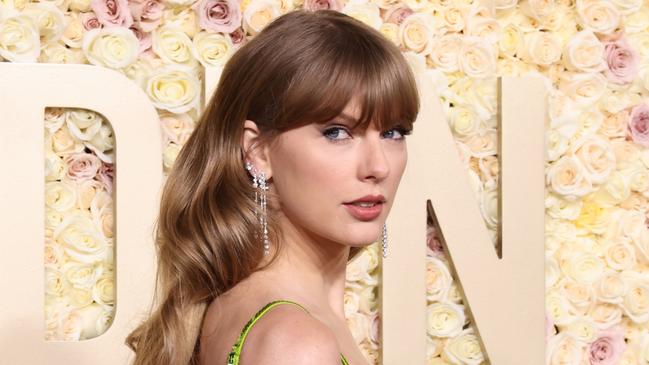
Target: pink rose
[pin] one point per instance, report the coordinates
(82, 166)
(105, 176)
(145, 39)
(397, 14)
(238, 37)
(89, 21)
(147, 13)
(313, 5)
(607, 349)
(433, 242)
(112, 13)
(639, 124)
(218, 15)
(622, 61)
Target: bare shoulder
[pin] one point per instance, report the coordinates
(287, 334)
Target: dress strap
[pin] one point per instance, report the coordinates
(233, 357)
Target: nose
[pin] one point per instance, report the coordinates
(374, 161)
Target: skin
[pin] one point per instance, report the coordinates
(313, 170)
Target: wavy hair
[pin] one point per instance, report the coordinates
(303, 68)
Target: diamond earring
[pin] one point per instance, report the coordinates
(259, 183)
(384, 241)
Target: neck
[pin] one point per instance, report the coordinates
(310, 269)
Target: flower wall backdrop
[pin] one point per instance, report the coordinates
(594, 55)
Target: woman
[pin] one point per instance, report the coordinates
(291, 170)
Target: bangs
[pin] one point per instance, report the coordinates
(353, 65)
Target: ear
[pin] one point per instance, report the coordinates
(253, 151)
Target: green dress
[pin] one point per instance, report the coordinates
(233, 356)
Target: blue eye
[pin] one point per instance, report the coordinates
(335, 133)
(401, 133)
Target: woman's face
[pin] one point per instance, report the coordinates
(318, 170)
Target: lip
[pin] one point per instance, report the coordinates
(363, 213)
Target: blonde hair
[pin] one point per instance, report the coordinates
(303, 68)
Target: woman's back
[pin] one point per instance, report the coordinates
(247, 329)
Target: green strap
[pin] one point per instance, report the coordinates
(233, 356)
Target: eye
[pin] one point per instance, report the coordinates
(396, 133)
(335, 133)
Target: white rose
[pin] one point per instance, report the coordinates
(83, 124)
(598, 15)
(55, 283)
(637, 22)
(511, 40)
(212, 49)
(638, 176)
(597, 158)
(640, 345)
(438, 280)
(627, 7)
(359, 325)
(113, 47)
(351, 301)
(584, 329)
(583, 53)
(489, 207)
(567, 178)
(464, 349)
(368, 299)
(616, 190)
(48, 18)
(445, 51)
(612, 287)
(484, 27)
(260, 13)
(102, 143)
(101, 209)
(541, 48)
(69, 328)
(80, 5)
(139, 71)
(605, 315)
(505, 4)
(79, 297)
(477, 58)
(583, 267)
(537, 9)
(60, 196)
(19, 39)
(173, 45)
(483, 144)
(451, 18)
(104, 290)
(445, 319)
(174, 88)
(81, 239)
(391, 32)
(57, 53)
(359, 269)
(170, 154)
(464, 121)
(54, 167)
(580, 295)
(560, 208)
(416, 33)
(181, 15)
(584, 88)
(81, 275)
(564, 348)
(89, 316)
(636, 300)
(481, 94)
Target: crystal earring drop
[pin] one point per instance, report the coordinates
(264, 221)
(384, 241)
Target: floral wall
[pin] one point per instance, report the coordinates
(593, 54)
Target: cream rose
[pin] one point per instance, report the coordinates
(483, 144)
(83, 124)
(102, 144)
(612, 287)
(19, 39)
(614, 191)
(476, 58)
(170, 154)
(54, 167)
(541, 48)
(174, 88)
(560, 208)
(69, 328)
(636, 300)
(445, 319)
(598, 15)
(585, 89)
(627, 7)
(511, 40)
(452, 18)
(583, 53)
(104, 290)
(260, 13)
(173, 45)
(60, 196)
(359, 325)
(564, 348)
(605, 315)
(391, 32)
(55, 283)
(464, 121)
(445, 51)
(416, 33)
(101, 209)
(464, 349)
(489, 207)
(597, 158)
(368, 295)
(438, 280)
(580, 295)
(583, 267)
(212, 49)
(351, 301)
(113, 47)
(584, 329)
(48, 18)
(614, 125)
(538, 9)
(359, 269)
(81, 239)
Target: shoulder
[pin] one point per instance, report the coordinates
(288, 334)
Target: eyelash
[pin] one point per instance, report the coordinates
(402, 131)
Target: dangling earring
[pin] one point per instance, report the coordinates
(384, 241)
(259, 184)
